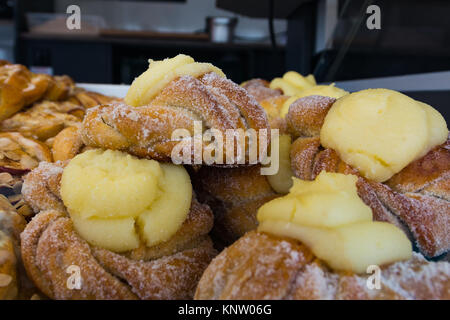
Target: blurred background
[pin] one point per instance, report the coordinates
(246, 38)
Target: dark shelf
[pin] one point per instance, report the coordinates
(380, 62)
(151, 42)
(110, 59)
(260, 8)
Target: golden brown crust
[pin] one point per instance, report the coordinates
(235, 195)
(11, 101)
(88, 99)
(11, 225)
(40, 188)
(146, 131)
(8, 269)
(272, 106)
(19, 88)
(262, 266)
(20, 154)
(428, 175)
(306, 115)
(171, 277)
(259, 89)
(43, 120)
(67, 144)
(50, 245)
(60, 88)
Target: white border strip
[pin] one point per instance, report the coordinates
(415, 82)
(433, 81)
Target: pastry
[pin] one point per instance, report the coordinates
(292, 83)
(271, 100)
(330, 91)
(235, 194)
(11, 225)
(319, 242)
(273, 107)
(260, 90)
(88, 99)
(306, 115)
(19, 88)
(263, 266)
(67, 144)
(44, 119)
(20, 154)
(405, 182)
(82, 202)
(293, 86)
(60, 88)
(172, 94)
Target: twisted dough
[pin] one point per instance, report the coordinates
(271, 100)
(67, 144)
(273, 106)
(89, 99)
(19, 87)
(146, 131)
(261, 266)
(235, 195)
(416, 199)
(260, 90)
(59, 88)
(50, 245)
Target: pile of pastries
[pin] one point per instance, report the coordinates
(98, 204)
(37, 112)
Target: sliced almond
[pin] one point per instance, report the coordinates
(15, 155)
(27, 162)
(6, 143)
(5, 279)
(25, 211)
(5, 178)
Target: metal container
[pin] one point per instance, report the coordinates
(221, 29)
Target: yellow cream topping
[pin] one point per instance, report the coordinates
(160, 73)
(381, 131)
(117, 201)
(328, 216)
(293, 83)
(281, 182)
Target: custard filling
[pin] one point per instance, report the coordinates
(281, 182)
(328, 216)
(160, 73)
(293, 83)
(117, 201)
(381, 131)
